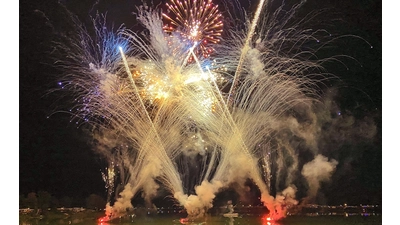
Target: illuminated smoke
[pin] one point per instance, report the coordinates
(317, 171)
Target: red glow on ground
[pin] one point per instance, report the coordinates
(184, 220)
(103, 220)
(267, 220)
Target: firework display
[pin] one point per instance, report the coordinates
(189, 110)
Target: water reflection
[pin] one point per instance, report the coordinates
(266, 220)
(217, 220)
(103, 223)
(250, 220)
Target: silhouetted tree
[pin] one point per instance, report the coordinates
(44, 201)
(95, 202)
(32, 201)
(55, 202)
(22, 202)
(66, 202)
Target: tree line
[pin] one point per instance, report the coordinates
(43, 201)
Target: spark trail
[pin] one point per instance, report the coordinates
(245, 49)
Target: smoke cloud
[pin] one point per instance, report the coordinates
(122, 204)
(197, 205)
(317, 171)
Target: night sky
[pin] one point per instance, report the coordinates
(56, 156)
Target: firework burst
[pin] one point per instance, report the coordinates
(197, 21)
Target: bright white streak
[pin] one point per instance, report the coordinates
(245, 49)
(128, 71)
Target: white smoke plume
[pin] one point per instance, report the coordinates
(149, 173)
(282, 200)
(122, 204)
(317, 171)
(197, 205)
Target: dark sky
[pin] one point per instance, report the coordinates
(55, 156)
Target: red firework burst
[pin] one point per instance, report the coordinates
(198, 21)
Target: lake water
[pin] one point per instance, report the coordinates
(220, 220)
